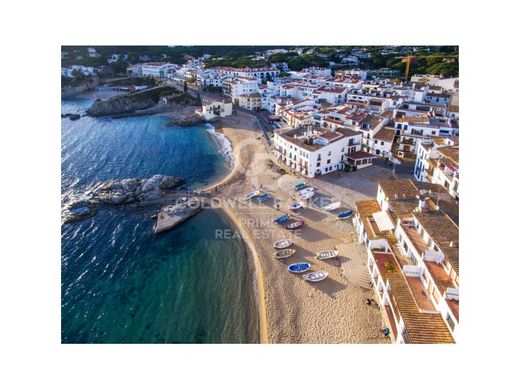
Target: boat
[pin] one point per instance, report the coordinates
(298, 268)
(345, 214)
(251, 195)
(295, 225)
(317, 276)
(326, 255)
(332, 206)
(282, 244)
(299, 186)
(265, 197)
(305, 190)
(284, 253)
(282, 219)
(295, 205)
(306, 195)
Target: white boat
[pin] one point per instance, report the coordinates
(332, 206)
(284, 253)
(326, 255)
(251, 195)
(317, 276)
(305, 190)
(306, 195)
(282, 244)
(295, 205)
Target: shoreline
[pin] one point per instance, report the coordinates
(246, 238)
(289, 309)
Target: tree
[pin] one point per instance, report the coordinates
(185, 86)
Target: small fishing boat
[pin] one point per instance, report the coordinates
(265, 197)
(282, 244)
(299, 186)
(298, 268)
(326, 255)
(306, 195)
(305, 190)
(295, 205)
(281, 219)
(295, 225)
(317, 276)
(251, 195)
(332, 206)
(284, 253)
(345, 214)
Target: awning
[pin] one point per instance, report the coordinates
(383, 221)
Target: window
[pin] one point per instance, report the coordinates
(450, 321)
(328, 161)
(330, 152)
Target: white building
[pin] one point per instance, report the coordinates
(316, 151)
(216, 109)
(412, 248)
(238, 86)
(70, 70)
(157, 69)
(260, 74)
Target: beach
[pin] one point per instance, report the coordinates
(290, 309)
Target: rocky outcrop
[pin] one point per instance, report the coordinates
(72, 117)
(121, 192)
(191, 120)
(173, 215)
(117, 192)
(128, 103)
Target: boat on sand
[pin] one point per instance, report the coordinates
(295, 206)
(305, 190)
(332, 206)
(282, 219)
(284, 253)
(345, 214)
(317, 276)
(253, 194)
(299, 186)
(295, 225)
(282, 244)
(326, 255)
(265, 197)
(306, 195)
(298, 268)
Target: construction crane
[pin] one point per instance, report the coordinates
(408, 61)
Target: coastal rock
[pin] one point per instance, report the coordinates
(128, 103)
(191, 120)
(169, 182)
(119, 192)
(173, 215)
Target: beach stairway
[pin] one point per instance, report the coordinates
(353, 258)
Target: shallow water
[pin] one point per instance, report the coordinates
(122, 283)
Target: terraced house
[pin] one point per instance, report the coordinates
(411, 233)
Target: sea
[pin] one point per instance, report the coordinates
(121, 283)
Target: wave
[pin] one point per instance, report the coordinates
(224, 146)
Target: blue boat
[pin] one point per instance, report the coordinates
(298, 268)
(282, 219)
(265, 197)
(346, 214)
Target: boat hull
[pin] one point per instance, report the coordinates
(298, 268)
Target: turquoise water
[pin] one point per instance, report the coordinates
(123, 284)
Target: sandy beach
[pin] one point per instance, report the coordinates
(290, 309)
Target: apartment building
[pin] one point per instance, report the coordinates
(412, 248)
(314, 151)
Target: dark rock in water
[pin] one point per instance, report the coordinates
(119, 192)
(191, 120)
(72, 117)
(128, 103)
(169, 182)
